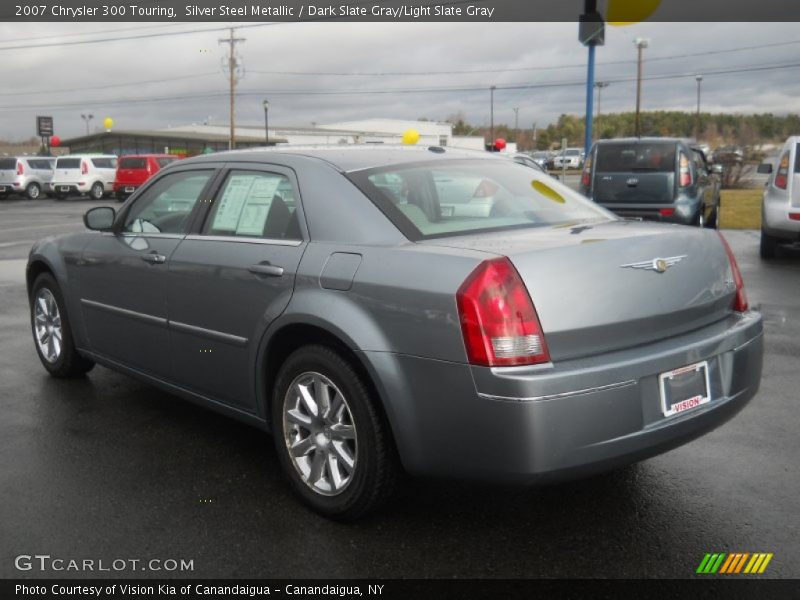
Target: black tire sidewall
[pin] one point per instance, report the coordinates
(30, 187)
(92, 193)
(357, 498)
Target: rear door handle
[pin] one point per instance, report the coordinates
(154, 259)
(268, 270)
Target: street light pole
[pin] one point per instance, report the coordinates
(641, 44)
(699, 79)
(491, 116)
(266, 121)
(599, 85)
(86, 118)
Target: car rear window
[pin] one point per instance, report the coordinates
(8, 164)
(440, 198)
(164, 161)
(105, 163)
(68, 163)
(797, 159)
(616, 158)
(132, 163)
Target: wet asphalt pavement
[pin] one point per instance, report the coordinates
(109, 468)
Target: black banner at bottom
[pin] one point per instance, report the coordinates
(220, 589)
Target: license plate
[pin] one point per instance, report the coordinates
(63, 188)
(684, 388)
(2, 189)
(129, 190)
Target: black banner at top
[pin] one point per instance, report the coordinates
(396, 10)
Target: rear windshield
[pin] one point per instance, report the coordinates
(41, 164)
(132, 163)
(68, 163)
(448, 197)
(164, 161)
(572, 152)
(105, 163)
(8, 164)
(615, 158)
(797, 159)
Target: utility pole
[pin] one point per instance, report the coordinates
(491, 117)
(516, 126)
(232, 66)
(699, 79)
(600, 85)
(641, 44)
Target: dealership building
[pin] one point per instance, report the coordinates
(189, 140)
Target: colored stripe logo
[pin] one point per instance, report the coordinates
(734, 563)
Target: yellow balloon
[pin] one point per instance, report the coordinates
(410, 137)
(108, 122)
(628, 12)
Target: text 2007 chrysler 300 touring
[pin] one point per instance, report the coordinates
(441, 311)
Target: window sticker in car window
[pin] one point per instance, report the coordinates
(245, 204)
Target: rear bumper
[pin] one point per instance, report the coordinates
(125, 188)
(567, 420)
(70, 187)
(684, 214)
(776, 222)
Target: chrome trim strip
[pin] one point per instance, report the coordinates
(243, 240)
(124, 312)
(227, 338)
(166, 236)
(601, 388)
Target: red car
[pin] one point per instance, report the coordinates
(134, 170)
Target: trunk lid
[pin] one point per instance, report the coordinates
(595, 287)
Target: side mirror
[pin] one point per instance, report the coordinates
(765, 168)
(100, 218)
(717, 169)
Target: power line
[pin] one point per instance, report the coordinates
(107, 86)
(83, 33)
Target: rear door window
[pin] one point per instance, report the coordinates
(8, 164)
(105, 163)
(621, 158)
(797, 159)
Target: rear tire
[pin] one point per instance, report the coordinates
(97, 191)
(713, 221)
(700, 219)
(769, 246)
(122, 196)
(338, 452)
(33, 191)
(52, 334)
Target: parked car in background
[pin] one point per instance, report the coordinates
(661, 179)
(571, 158)
(540, 157)
(91, 174)
(729, 154)
(528, 161)
(134, 170)
(780, 207)
(374, 332)
(28, 175)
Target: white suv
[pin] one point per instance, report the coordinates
(91, 174)
(572, 158)
(780, 209)
(29, 175)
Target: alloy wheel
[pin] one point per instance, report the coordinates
(47, 322)
(319, 433)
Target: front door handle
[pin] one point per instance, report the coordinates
(154, 258)
(268, 270)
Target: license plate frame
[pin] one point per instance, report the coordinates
(684, 388)
(129, 189)
(63, 188)
(3, 189)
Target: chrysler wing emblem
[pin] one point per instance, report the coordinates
(659, 265)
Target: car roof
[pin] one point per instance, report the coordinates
(87, 156)
(352, 157)
(148, 156)
(647, 140)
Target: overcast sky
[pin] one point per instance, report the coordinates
(325, 53)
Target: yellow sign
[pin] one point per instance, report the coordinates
(628, 12)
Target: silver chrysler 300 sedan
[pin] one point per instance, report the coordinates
(431, 310)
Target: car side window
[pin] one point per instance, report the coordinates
(166, 205)
(699, 162)
(254, 204)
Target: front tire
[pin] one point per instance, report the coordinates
(330, 436)
(769, 246)
(33, 191)
(52, 334)
(97, 191)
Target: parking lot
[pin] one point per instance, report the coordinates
(109, 467)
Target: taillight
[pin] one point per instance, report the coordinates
(498, 320)
(20, 169)
(586, 176)
(740, 302)
(685, 171)
(782, 174)
(666, 212)
(84, 167)
(794, 216)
